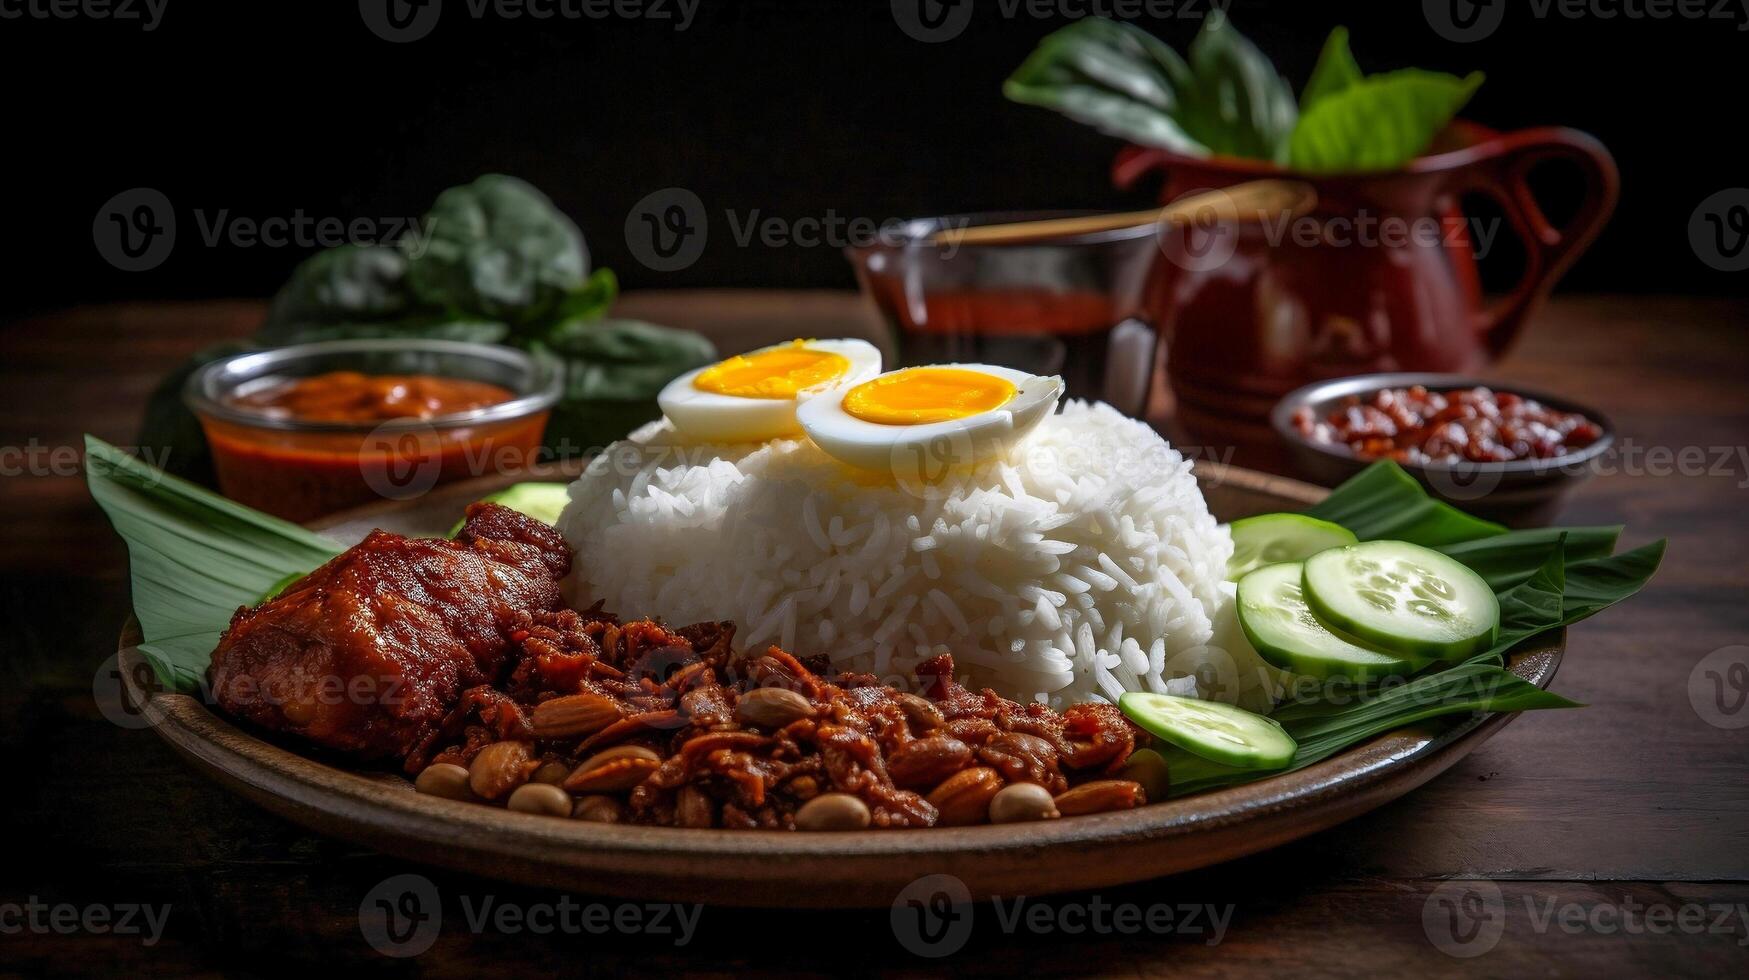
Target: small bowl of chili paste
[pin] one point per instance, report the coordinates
(307, 430)
(1502, 452)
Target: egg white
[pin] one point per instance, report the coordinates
(902, 449)
(714, 417)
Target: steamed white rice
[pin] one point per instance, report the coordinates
(1083, 564)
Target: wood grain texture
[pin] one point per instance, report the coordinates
(1635, 797)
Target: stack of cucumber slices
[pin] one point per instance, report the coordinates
(1314, 601)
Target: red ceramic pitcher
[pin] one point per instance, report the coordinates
(1380, 277)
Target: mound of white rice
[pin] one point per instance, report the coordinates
(1082, 565)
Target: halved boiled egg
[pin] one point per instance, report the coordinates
(922, 420)
(753, 397)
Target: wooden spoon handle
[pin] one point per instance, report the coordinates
(1255, 200)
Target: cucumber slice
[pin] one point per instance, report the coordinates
(1274, 615)
(542, 501)
(1270, 538)
(1215, 731)
(1402, 598)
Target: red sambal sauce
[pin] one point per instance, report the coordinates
(1477, 425)
(349, 396)
(301, 474)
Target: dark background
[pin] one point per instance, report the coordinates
(787, 109)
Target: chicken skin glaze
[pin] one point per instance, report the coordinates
(367, 654)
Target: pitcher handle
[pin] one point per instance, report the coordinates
(1549, 251)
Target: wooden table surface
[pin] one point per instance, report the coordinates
(1607, 841)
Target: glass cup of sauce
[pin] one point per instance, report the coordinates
(307, 430)
(1067, 306)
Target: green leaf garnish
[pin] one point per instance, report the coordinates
(497, 248)
(1504, 560)
(196, 558)
(1335, 71)
(1378, 123)
(1227, 99)
(1323, 729)
(1115, 77)
(1382, 502)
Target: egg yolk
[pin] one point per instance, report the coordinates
(920, 396)
(780, 372)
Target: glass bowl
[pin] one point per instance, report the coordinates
(300, 469)
(1067, 306)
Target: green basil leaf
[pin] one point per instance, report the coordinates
(1227, 99)
(496, 249)
(613, 372)
(347, 283)
(593, 299)
(1238, 104)
(1335, 72)
(1115, 77)
(1378, 123)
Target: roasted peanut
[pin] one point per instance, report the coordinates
(927, 761)
(833, 811)
(444, 779)
(771, 707)
(1099, 796)
(613, 770)
(921, 711)
(541, 798)
(599, 809)
(965, 797)
(499, 768)
(1022, 802)
(573, 715)
(694, 808)
(1147, 767)
(552, 773)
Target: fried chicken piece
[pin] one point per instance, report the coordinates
(370, 652)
